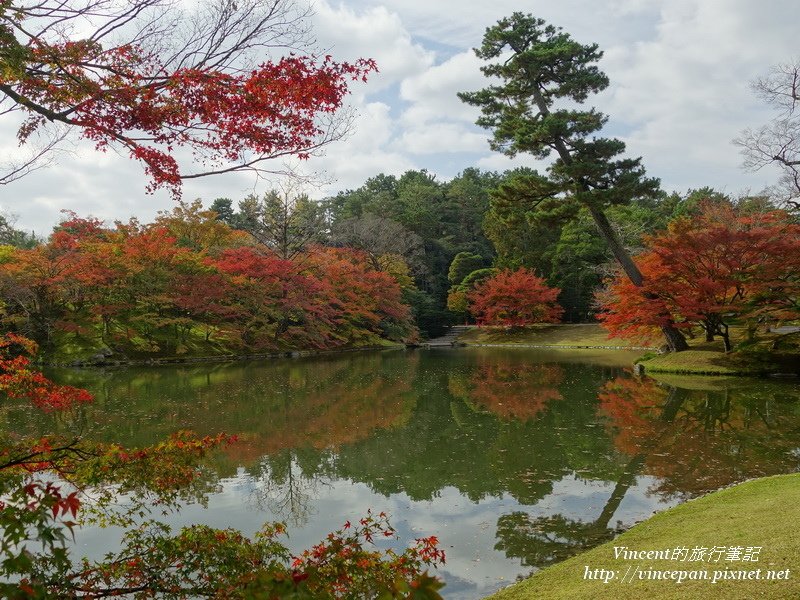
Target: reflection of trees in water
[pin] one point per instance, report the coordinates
(321, 402)
(698, 440)
(509, 391)
(486, 424)
(693, 441)
(281, 485)
(455, 437)
(547, 539)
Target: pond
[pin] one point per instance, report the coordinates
(514, 458)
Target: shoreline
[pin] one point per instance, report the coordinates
(753, 511)
(220, 358)
(702, 358)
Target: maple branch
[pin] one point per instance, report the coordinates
(182, 78)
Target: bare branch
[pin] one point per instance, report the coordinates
(38, 156)
(777, 143)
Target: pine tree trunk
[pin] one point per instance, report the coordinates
(674, 338)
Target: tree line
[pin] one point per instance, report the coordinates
(189, 283)
(266, 273)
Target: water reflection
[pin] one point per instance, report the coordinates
(515, 459)
(698, 440)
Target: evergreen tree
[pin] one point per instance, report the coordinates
(546, 66)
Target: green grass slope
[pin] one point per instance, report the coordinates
(582, 335)
(762, 513)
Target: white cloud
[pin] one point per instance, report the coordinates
(679, 93)
(440, 137)
(432, 93)
(461, 24)
(365, 153)
(684, 94)
(372, 33)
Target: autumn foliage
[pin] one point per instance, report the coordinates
(694, 442)
(514, 298)
(188, 281)
(44, 484)
(717, 268)
(161, 288)
(515, 392)
(149, 100)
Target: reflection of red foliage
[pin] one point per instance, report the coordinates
(712, 441)
(633, 406)
(338, 414)
(516, 391)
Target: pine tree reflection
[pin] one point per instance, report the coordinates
(691, 440)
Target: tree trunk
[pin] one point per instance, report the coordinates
(674, 338)
(624, 483)
(726, 338)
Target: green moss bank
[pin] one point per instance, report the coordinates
(769, 354)
(81, 353)
(577, 336)
(760, 514)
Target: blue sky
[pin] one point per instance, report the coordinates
(679, 69)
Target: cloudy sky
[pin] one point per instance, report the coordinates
(679, 70)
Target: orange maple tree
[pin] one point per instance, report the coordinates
(710, 270)
(514, 298)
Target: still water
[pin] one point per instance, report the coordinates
(515, 458)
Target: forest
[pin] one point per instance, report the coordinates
(395, 260)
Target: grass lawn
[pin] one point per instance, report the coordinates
(709, 358)
(703, 358)
(761, 513)
(703, 361)
(583, 335)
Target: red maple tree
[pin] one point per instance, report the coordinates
(195, 80)
(514, 298)
(716, 268)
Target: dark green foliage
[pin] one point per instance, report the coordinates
(576, 262)
(447, 217)
(282, 221)
(431, 318)
(476, 277)
(546, 66)
(463, 264)
(225, 213)
(11, 236)
(524, 222)
(466, 203)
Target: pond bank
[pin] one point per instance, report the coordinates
(113, 360)
(752, 515)
(772, 355)
(588, 336)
